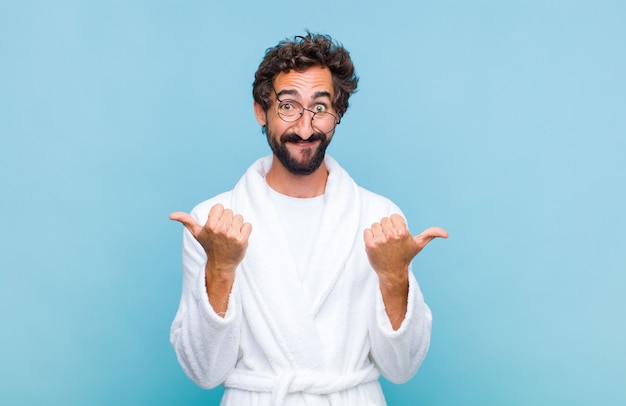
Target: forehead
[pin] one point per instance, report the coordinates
(305, 83)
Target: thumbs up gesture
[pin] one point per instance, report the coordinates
(224, 237)
(390, 248)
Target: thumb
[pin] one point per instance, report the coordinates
(428, 235)
(188, 221)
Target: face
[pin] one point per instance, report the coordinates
(299, 146)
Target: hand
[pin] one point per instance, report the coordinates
(390, 246)
(224, 238)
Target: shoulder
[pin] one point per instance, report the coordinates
(371, 203)
(377, 205)
(201, 211)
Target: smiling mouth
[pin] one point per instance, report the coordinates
(304, 143)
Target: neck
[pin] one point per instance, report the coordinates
(300, 186)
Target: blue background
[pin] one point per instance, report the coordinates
(502, 121)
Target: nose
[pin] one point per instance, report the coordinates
(304, 125)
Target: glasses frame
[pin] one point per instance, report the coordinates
(337, 119)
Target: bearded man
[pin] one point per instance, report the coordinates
(297, 283)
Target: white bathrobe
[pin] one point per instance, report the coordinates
(323, 339)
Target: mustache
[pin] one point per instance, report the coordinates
(293, 137)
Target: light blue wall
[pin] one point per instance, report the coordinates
(501, 121)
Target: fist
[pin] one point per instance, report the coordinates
(390, 247)
(224, 237)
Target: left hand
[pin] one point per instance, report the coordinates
(390, 246)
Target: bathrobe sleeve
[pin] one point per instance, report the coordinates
(399, 353)
(206, 344)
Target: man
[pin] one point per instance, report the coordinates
(297, 287)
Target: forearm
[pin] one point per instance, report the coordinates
(218, 284)
(395, 291)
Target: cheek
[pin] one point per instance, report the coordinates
(277, 127)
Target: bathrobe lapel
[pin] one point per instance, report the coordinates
(277, 309)
(336, 236)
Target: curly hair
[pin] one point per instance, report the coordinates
(303, 52)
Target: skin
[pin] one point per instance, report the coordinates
(389, 245)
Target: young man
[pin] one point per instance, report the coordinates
(297, 287)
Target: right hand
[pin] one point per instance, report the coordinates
(224, 238)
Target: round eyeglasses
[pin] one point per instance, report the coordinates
(290, 111)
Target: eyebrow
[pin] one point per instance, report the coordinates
(293, 92)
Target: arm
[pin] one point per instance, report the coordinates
(401, 325)
(206, 330)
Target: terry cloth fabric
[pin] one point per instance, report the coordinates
(288, 339)
(292, 326)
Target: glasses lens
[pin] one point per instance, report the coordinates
(290, 110)
(324, 122)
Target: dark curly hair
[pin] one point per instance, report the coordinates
(303, 52)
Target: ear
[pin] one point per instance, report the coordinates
(260, 114)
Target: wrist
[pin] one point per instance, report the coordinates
(219, 273)
(394, 281)
(219, 281)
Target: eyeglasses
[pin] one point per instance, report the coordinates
(290, 111)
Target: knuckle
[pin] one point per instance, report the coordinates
(210, 224)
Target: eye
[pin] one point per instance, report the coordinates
(319, 108)
(287, 106)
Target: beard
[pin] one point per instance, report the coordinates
(309, 161)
